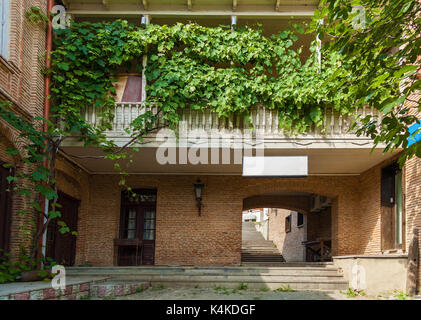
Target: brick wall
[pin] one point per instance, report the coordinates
(22, 83)
(75, 182)
(319, 225)
(413, 202)
(289, 244)
(215, 237)
(370, 219)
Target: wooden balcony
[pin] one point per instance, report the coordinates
(335, 151)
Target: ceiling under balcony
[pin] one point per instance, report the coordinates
(321, 161)
(272, 16)
(286, 8)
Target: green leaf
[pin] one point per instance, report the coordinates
(64, 66)
(54, 214)
(390, 103)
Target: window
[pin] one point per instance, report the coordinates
(288, 224)
(130, 227)
(129, 88)
(149, 224)
(300, 219)
(4, 28)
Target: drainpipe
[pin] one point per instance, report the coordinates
(47, 81)
(319, 47)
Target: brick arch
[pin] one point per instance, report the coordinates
(342, 190)
(322, 185)
(299, 203)
(68, 184)
(7, 138)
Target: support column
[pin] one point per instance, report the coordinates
(413, 264)
(345, 226)
(145, 21)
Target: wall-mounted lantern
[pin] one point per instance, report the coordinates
(198, 191)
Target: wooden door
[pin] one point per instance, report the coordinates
(5, 210)
(391, 208)
(148, 218)
(62, 247)
(138, 216)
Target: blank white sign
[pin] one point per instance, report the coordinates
(275, 166)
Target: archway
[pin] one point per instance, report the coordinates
(296, 226)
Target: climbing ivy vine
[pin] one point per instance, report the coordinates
(191, 66)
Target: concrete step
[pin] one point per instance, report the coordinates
(257, 243)
(262, 260)
(318, 285)
(312, 282)
(240, 272)
(249, 252)
(256, 249)
(262, 245)
(271, 249)
(287, 264)
(258, 258)
(301, 277)
(233, 277)
(267, 252)
(259, 248)
(262, 256)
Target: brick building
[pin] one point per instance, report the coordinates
(300, 236)
(374, 205)
(22, 84)
(288, 234)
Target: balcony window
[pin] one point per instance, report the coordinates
(300, 219)
(288, 223)
(4, 28)
(129, 88)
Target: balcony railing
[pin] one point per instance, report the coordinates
(335, 124)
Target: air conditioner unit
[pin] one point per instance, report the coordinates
(325, 202)
(315, 203)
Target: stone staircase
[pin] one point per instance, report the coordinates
(262, 267)
(255, 249)
(297, 276)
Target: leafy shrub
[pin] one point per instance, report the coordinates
(12, 271)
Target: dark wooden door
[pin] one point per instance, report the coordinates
(138, 216)
(62, 247)
(5, 210)
(391, 208)
(148, 217)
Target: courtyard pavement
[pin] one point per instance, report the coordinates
(162, 293)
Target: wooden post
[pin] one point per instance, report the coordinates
(413, 261)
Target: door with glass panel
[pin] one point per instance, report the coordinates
(392, 213)
(148, 215)
(137, 228)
